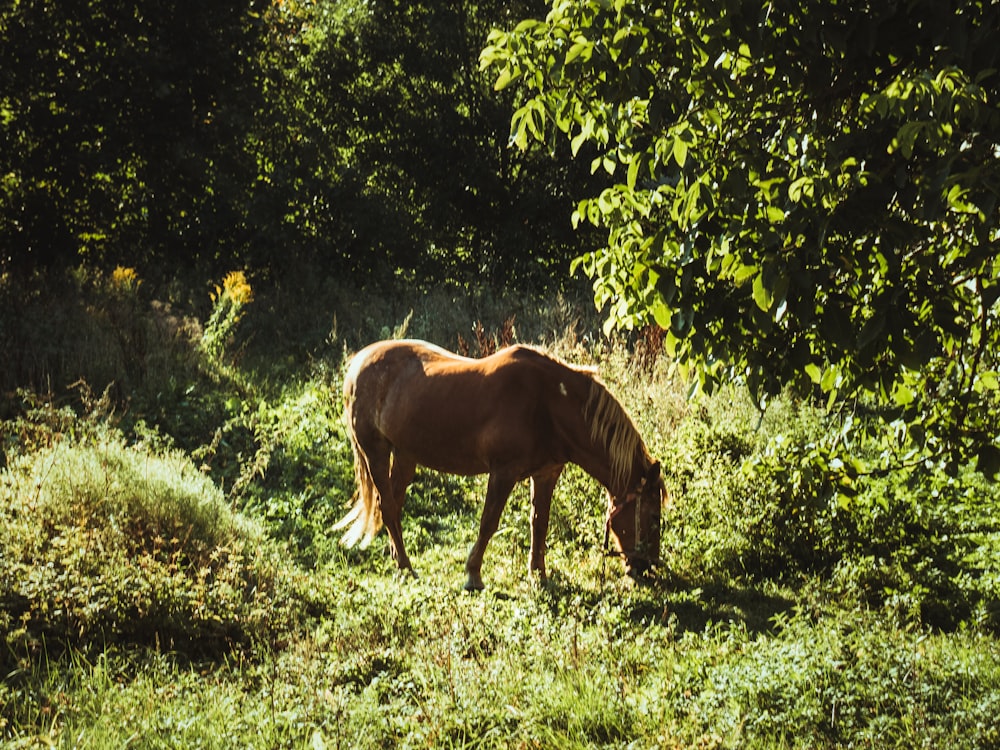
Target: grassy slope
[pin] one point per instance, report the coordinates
(726, 651)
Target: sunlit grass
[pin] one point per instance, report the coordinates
(417, 663)
(113, 540)
(106, 543)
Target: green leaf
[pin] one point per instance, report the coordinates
(779, 292)
(830, 379)
(633, 171)
(774, 215)
(521, 136)
(986, 381)
(902, 394)
(742, 273)
(680, 322)
(662, 314)
(801, 187)
(580, 47)
(761, 294)
(870, 331)
(906, 138)
(610, 323)
(503, 80)
(680, 152)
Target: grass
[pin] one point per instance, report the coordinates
(168, 579)
(417, 664)
(104, 542)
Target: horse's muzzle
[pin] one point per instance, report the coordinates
(640, 568)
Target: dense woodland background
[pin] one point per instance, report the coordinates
(295, 139)
(787, 214)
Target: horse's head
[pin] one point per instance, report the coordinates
(634, 522)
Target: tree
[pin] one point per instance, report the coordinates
(806, 192)
(123, 129)
(397, 162)
(297, 139)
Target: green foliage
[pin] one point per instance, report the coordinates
(301, 474)
(228, 305)
(841, 682)
(796, 607)
(423, 665)
(773, 502)
(124, 133)
(293, 139)
(803, 195)
(103, 542)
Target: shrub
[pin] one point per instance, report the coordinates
(780, 499)
(228, 303)
(850, 681)
(301, 475)
(100, 542)
(713, 524)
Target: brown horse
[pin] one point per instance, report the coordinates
(515, 415)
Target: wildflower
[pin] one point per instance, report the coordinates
(125, 279)
(235, 288)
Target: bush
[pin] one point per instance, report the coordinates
(103, 542)
(778, 499)
(714, 525)
(850, 681)
(301, 475)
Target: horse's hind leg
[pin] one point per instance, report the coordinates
(386, 474)
(400, 476)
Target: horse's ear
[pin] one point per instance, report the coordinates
(653, 474)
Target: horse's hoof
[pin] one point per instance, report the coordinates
(474, 585)
(539, 579)
(645, 577)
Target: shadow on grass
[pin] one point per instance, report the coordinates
(682, 606)
(694, 608)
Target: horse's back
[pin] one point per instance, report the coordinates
(398, 353)
(411, 364)
(451, 412)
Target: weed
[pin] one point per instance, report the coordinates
(167, 574)
(103, 542)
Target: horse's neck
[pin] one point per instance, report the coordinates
(596, 462)
(580, 405)
(594, 457)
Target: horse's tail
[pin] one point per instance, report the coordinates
(364, 520)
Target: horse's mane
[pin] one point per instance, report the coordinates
(612, 427)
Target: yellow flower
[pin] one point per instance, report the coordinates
(125, 278)
(237, 288)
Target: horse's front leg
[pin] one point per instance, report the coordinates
(542, 485)
(497, 491)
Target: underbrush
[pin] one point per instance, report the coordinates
(419, 664)
(757, 501)
(168, 574)
(107, 543)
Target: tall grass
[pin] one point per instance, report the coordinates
(168, 578)
(420, 665)
(101, 542)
